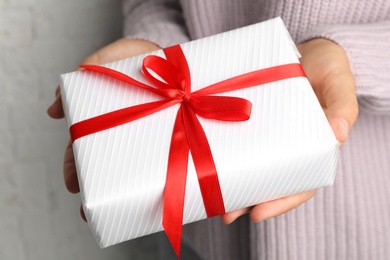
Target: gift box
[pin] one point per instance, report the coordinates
(276, 143)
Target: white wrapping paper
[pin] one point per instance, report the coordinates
(286, 147)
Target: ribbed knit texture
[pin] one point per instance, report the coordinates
(158, 21)
(350, 220)
(214, 240)
(370, 60)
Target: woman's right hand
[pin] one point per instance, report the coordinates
(120, 49)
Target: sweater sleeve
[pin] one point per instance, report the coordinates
(368, 49)
(157, 21)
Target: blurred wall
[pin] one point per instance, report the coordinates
(39, 40)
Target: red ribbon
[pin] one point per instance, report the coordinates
(188, 134)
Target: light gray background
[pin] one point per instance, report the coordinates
(39, 40)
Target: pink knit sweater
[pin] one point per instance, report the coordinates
(350, 220)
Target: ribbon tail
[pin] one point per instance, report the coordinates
(175, 184)
(204, 163)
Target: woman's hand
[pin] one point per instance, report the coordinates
(120, 49)
(327, 68)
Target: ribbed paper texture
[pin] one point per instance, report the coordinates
(286, 147)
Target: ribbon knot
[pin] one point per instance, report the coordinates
(175, 84)
(171, 80)
(186, 96)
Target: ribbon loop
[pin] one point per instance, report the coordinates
(165, 70)
(123, 77)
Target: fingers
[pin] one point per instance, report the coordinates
(120, 49)
(70, 174)
(228, 218)
(55, 109)
(277, 207)
(269, 209)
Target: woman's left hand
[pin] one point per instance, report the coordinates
(327, 68)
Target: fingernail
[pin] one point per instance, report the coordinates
(343, 126)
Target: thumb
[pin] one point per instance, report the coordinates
(340, 102)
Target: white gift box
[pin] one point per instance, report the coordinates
(286, 147)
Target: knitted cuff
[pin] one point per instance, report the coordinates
(367, 47)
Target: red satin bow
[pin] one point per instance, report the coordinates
(188, 134)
